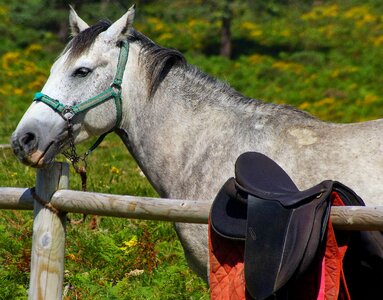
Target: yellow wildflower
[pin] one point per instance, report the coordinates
(157, 23)
(248, 26)
(370, 98)
(321, 12)
(9, 58)
(71, 256)
(377, 41)
(18, 91)
(346, 70)
(128, 245)
(365, 20)
(330, 11)
(328, 30)
(3, 10)
(357, 12)
(252, 28)
(33, 48)
(256, 58)
(311, 78)
(165, 37)
(192, 22)
(256, 33)
(286, 33)
(154, 20)
(288, 66)
(304, 106)
(159, 27)
(115, 170)
(30, 68)
(37, 83)
(325, 101)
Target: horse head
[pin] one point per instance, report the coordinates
(76, 102)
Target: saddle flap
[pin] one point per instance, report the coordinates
(228, 216)
(281, 242)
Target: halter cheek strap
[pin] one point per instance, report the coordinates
(112, 92)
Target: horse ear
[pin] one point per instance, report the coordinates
(119, 30)
(76, 23)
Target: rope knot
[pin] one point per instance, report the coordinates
(43, 202)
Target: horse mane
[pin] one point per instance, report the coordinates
(158, 60)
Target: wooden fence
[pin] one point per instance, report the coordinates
(48, 238)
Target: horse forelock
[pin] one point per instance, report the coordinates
(85, 39)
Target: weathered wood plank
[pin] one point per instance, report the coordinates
(48, 239)
(189, 211)
(357, 217)
(15, 198)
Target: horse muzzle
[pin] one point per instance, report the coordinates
(31, 150)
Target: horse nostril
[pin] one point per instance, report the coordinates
(28, 142)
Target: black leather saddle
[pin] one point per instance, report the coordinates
(282, 227)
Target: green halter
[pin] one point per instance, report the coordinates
(112, 92)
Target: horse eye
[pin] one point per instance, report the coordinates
(81, 72)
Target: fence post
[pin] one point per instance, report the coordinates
(48, 239)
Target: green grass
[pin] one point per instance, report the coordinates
(101, 263)
(326, 60)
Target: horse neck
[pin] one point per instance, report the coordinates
(189, 131)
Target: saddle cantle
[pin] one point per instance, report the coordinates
(281, 226)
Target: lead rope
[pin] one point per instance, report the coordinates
(75, 159)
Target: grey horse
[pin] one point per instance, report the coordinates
(184, 128)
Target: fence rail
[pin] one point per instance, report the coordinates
(5, 146)
(173, 210)
(48, 239)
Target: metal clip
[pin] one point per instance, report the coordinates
(116, 88)
(67, 113)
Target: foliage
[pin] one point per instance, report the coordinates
(324, 58)
(120, 259)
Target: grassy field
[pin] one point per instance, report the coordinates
(121, 259)
(326, 59)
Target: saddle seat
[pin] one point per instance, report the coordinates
(258, 175)
(280, 225)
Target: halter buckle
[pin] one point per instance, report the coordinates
(68, 113)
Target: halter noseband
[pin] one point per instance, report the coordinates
(112, 92)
